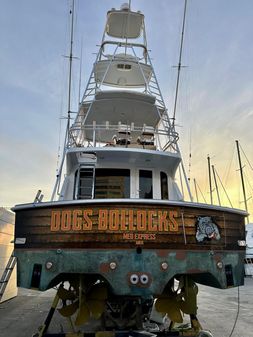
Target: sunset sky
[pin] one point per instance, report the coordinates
(215, 104)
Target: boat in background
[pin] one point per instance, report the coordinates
(120, 240)
(249, 250)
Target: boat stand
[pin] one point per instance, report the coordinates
(44, 327)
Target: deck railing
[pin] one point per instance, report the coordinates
(96, 135)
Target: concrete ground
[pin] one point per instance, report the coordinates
(21, 316)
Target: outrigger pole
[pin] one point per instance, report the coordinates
(72, 11)
(66, 140)
(179, 66)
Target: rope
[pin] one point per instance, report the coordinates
(246, 158)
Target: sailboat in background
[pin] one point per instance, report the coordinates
(120, 235)
(249, 226)
(249, 250)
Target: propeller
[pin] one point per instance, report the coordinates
(182, 300)
(87, 303)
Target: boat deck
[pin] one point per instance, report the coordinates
(21, 316)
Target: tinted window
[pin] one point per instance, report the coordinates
(145, 184)
(112, 183)
(164, 186)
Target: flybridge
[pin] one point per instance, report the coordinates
(122, 103)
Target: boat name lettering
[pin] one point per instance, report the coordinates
(115, 220)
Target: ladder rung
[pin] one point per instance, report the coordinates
(7, 274)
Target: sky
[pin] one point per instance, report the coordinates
(215, 105)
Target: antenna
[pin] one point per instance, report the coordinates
(179, 66)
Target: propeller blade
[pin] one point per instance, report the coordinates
(65, 294)
(96, 308)
(98, 292)
(83, 314)
(170, 306)
(74, 283)
(69, 310)
(189, 304)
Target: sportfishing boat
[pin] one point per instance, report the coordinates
(117, 238)
(249, 250)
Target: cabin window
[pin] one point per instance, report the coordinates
(145, 184)
(85, 183)
(122, 66)
(164, 186)
(112, 183)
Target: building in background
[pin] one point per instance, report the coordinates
(7, 219)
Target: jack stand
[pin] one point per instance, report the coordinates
(196, 326)
(192, 331)
(44, 327)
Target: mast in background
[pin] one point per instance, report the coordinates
(216, 185)
(242, 178)
(196, 191)
(210, 179)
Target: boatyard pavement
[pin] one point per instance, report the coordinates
(21, 316)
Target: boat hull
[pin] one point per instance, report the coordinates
(116, 240)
